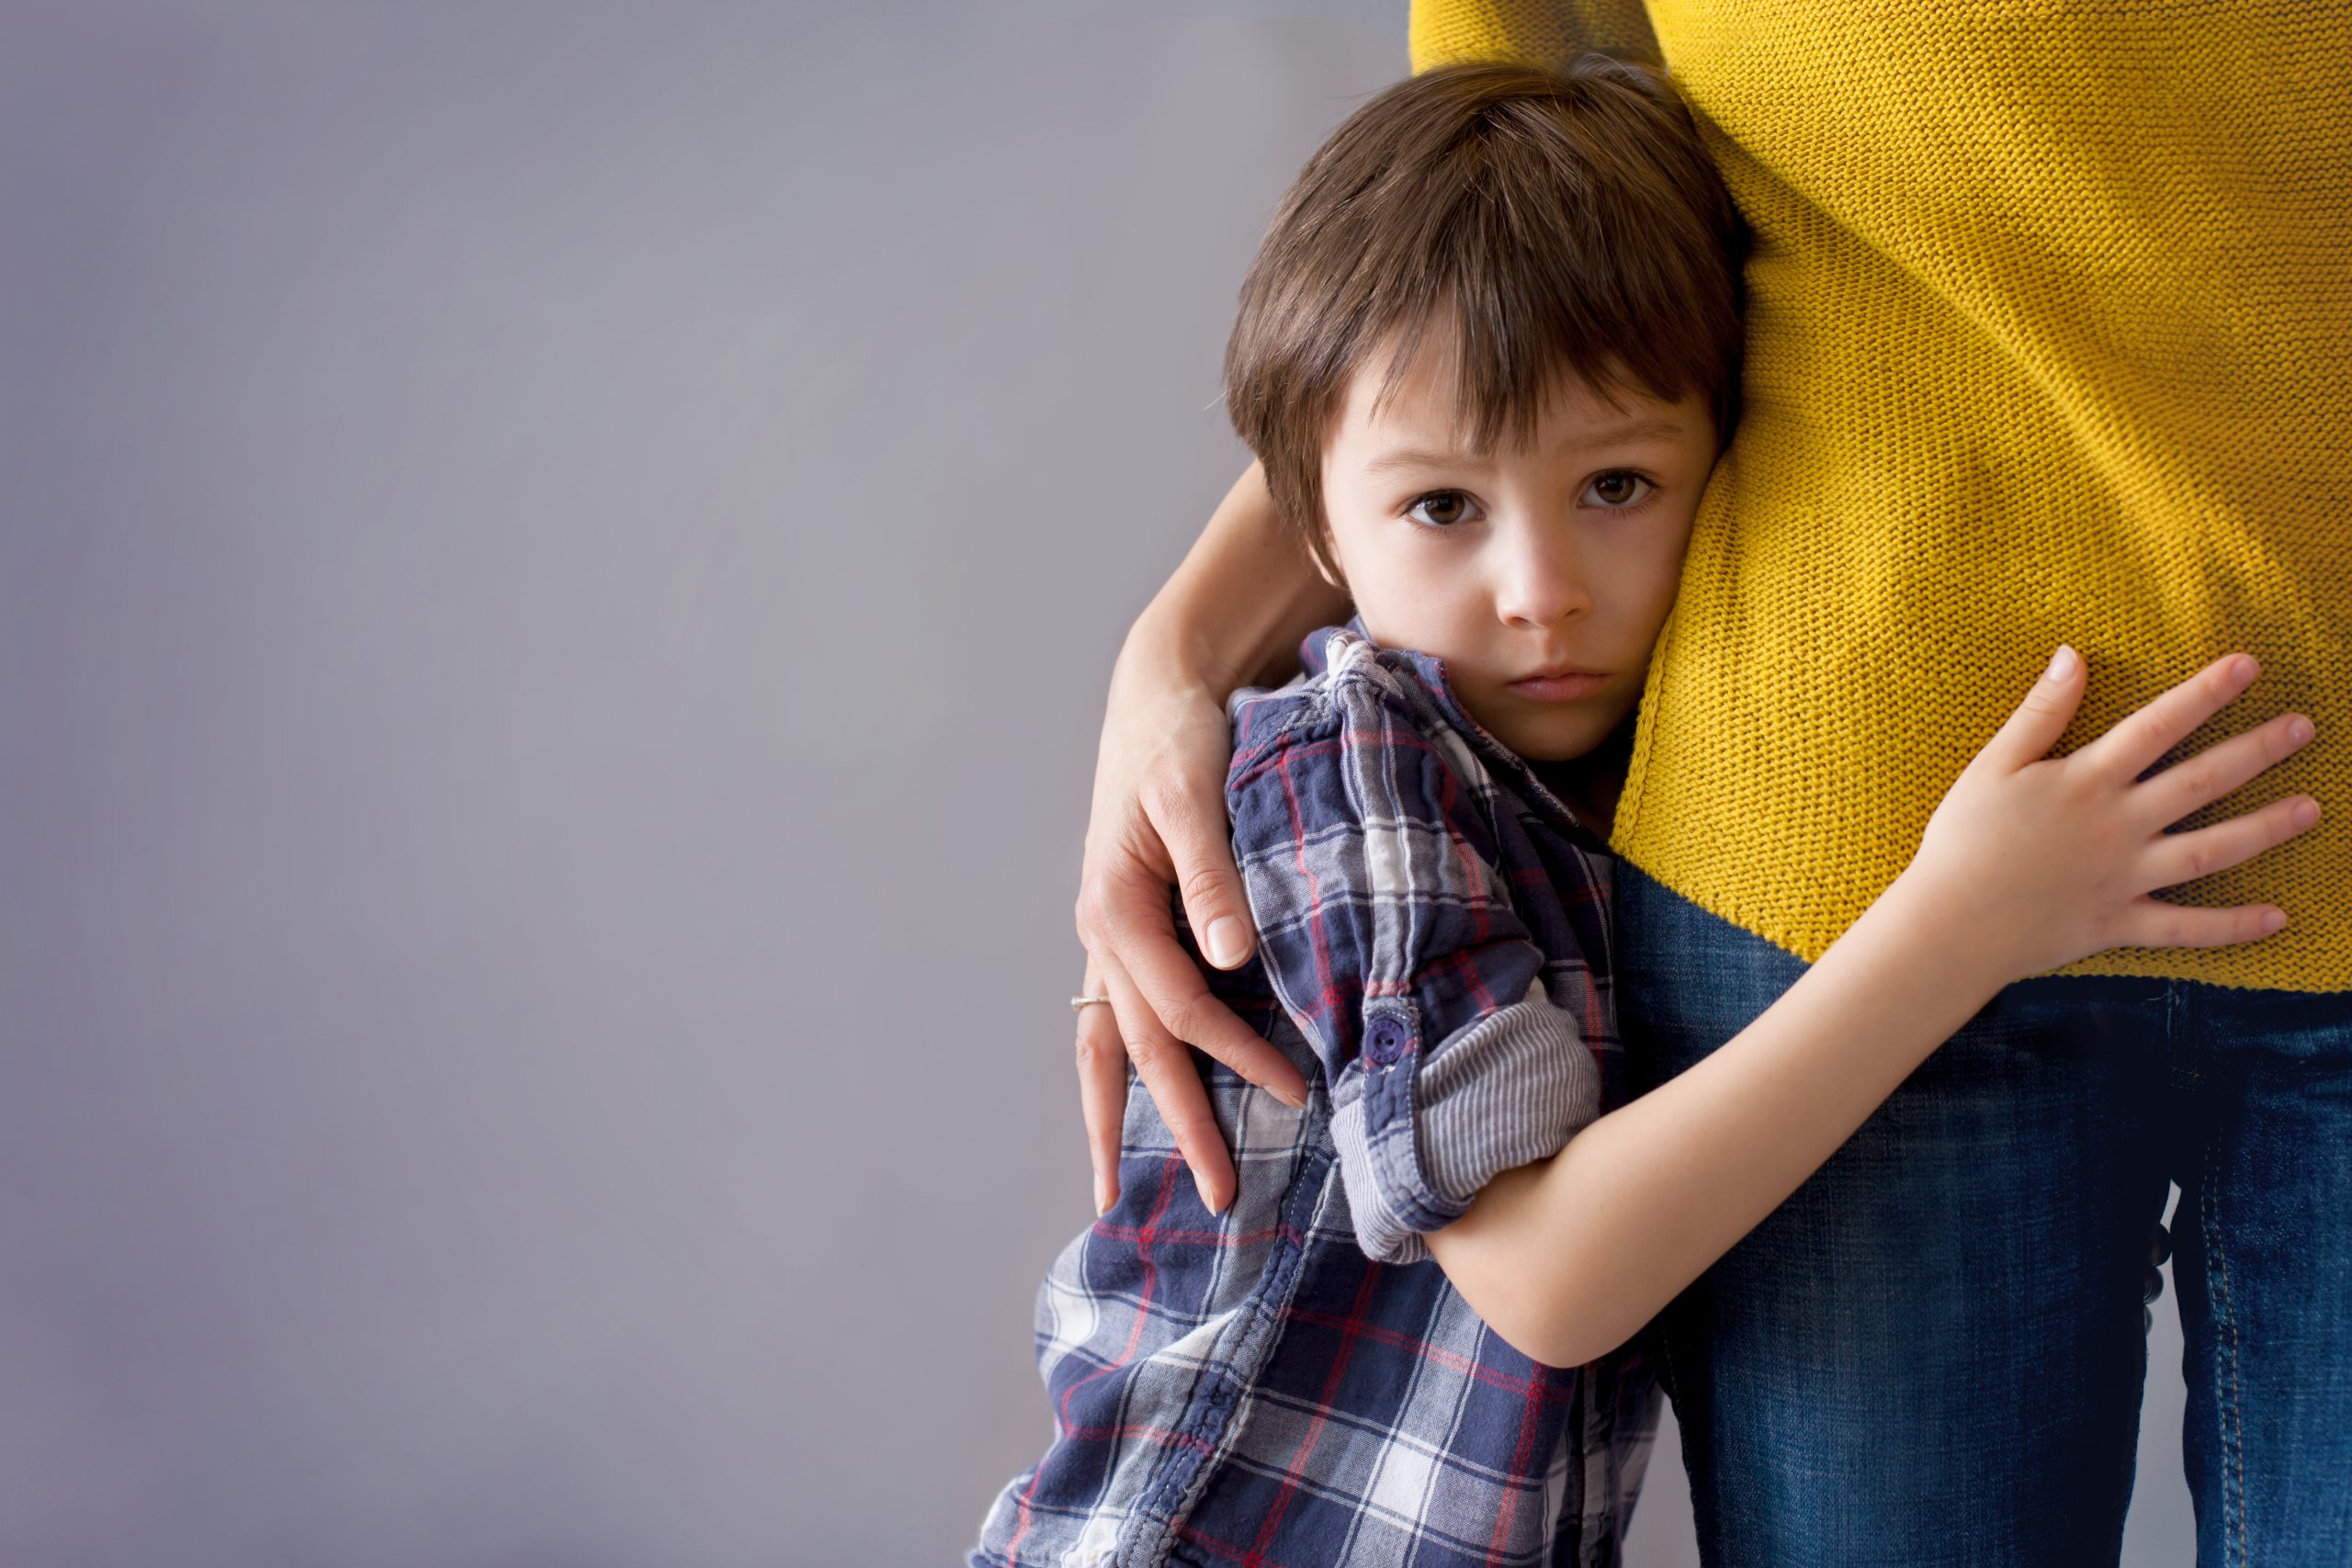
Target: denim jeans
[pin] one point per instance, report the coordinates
(1933, 1352)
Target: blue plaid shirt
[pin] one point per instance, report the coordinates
(1294, 1384)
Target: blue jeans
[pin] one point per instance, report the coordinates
(1932, 1353)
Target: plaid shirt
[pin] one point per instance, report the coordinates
(1294, 1384)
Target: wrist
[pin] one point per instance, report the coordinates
(1164, 656)
(1942, 927)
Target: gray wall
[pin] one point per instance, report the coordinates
(557, 569)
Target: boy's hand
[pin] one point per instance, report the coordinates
(2037, 861)
(1158, 822)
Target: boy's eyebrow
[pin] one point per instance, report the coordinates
(1652, 427)
(1422, 457)
(1639, 429)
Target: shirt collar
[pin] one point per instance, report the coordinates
(1430, 671)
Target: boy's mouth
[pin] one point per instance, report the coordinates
(1563, 687)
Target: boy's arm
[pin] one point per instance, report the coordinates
(1390, 936)
(1232, 614)
(2028, 864)
(1567, 1258)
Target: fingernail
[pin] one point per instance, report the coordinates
(1207, 1200)
(1229, 944)
(2299, 730)
(2306, 813)
(2062, 664)
(1102, 1198)
(1295, 1098)
(2273, 920)
(2243, 668)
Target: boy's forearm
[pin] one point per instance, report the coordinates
(1234, 611)
(1567, 1258)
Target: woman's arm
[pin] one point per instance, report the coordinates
(1234, 611)
(1231, 615)
(2029, 864)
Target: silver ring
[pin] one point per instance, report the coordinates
(1078, 1002)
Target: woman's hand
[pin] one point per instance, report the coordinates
(1159, 822)
(2039, 861)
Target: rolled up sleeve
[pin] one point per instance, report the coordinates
(1389, 938)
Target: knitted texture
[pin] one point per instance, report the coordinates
(2050, 339)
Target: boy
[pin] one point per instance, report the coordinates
(1487, 354)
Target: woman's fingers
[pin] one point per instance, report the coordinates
(1166, 1067)
(1123, 912)
(2218, 769)
(2034, 726)
(2139, 741)
(1191, 821)
(1159, 995)
(1101, 1086)
(1134, 928)
(2151, 922)
(2175, 858)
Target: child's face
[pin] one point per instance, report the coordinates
(1541, 574)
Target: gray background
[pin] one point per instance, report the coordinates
(558, 565)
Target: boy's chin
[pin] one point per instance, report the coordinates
(1557, 737)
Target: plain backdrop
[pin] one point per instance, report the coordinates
(557, 567)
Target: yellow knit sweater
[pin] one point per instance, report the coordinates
(2050, 339)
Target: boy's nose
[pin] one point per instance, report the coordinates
(1541, 587)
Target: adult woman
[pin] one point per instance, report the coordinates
(2050, 339)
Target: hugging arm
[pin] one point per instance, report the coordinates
(1231, 615)
(2029, 863)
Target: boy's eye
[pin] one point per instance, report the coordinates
(1617, 488)
(1441, 509)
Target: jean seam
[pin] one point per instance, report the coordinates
(2228, 1419)
(1688, 1434)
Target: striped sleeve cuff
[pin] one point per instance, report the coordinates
(1421, 1133)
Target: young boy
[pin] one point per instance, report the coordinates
(1487, 356)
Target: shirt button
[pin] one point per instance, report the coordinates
(1386, 1042)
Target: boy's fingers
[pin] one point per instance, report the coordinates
(2151, 922)
(1201, 849)
(1101, 1088)
(2034, 726)
(2218, 769)
(2138, 741)
(2177, 857)
(1167, 1071)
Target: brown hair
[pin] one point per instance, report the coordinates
(1560, 223)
